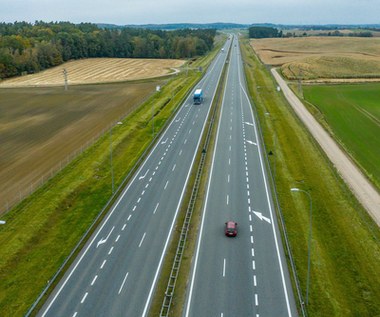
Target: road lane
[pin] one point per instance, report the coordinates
(256, 281)
(116, 272)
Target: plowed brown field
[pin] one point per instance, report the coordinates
(42, 128)
(97, 70)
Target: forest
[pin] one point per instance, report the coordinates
(27, 48)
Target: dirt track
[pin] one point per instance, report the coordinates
(358, 183)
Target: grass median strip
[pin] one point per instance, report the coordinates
(345, 248)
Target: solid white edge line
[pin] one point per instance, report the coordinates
(204, 211)
(179, 204)
(268, 200)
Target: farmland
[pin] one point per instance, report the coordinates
(97, 70)
(352, 114)
(41, 128)
(322, 58)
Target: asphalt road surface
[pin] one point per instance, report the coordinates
(116, 272)
(246, 275)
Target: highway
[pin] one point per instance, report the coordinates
(116, 272)
(245, 275)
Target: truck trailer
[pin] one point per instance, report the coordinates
(198, 96)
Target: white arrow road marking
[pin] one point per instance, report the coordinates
(163, 142)
(249, 123)
(260, 215)
(251, 142)
(101, 241)
(178, 119)
(143, 176)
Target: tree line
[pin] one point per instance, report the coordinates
(29, 48)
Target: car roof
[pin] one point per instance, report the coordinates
(231, 224)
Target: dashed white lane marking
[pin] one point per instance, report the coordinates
(252, 239)
(150, 179)
(166, 185)
(230, 148)
(248, 193)
(254, 281)
(75, 314)
(142, 239)
(224, 267)
(180, 152)
(250, 218)
(122, 284)
(117, 239)
(84, 298)
(250, 228)
(229, 161)
(253, 252)
(189, 131)
(228, 178)
(129, 217)
(155, 209)
(94, 280)
(174, 167)
(147, 185)
(104, 262)
(228, 198)
(253, 265)
(256, 300)
(156, 168)
(247, 186)
(134, 208)
(143, 192)
(110, 251)
(185, 141)
(159, 163)
(122, 229)
(138, 200)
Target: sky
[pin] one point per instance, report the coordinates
(124, 12)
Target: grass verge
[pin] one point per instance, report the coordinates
(42, 231)
(345, 249)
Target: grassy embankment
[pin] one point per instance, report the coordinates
(345, 254)
(44, 228)
(352, 114)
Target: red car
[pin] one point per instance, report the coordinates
(230, 229)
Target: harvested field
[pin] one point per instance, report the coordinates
(40, 128)
(316, 58)
(97, 70)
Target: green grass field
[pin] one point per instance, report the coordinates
(352, 114)
(345, 254)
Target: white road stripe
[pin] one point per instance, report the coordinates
(84, 298)
(155, 209)
(93, 281)
(254, 280)
(104, 262)
(122, 284)
(227, 199)
(129, 217)
(110, 251)
(122, 229)
(256, 300)
(142, 239)
(118, 237)
(174, 167)
(253, 265)
(224, 267)
(166, 185)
